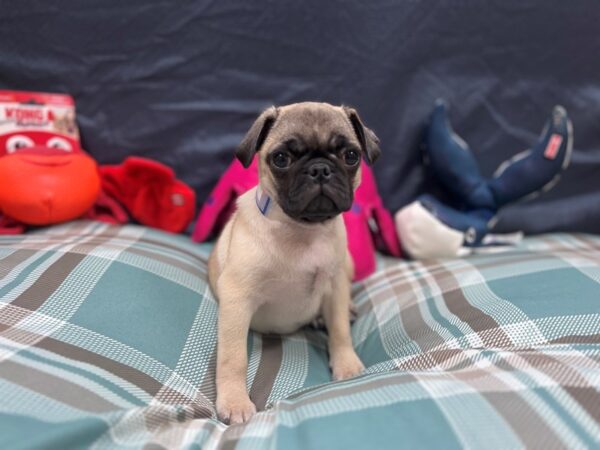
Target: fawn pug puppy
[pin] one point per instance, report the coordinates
(282, 259)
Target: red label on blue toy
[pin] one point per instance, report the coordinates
(553, 146)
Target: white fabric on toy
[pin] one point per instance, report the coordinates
(423, 236)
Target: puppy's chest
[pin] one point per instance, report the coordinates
(310, 269)
(291, 295)
(319, 257)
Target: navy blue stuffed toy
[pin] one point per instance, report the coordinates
(429, 228)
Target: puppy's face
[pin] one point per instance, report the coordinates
(310, 157)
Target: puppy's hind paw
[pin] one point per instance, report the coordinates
(318, 322)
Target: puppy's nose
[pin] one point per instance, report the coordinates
(319, 172)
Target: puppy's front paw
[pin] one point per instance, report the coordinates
(345, 364)
(234, 408)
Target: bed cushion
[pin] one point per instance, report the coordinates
(108, 339)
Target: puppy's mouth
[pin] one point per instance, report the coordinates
(320, 209)
(316, 203)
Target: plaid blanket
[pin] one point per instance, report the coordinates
(108, 338)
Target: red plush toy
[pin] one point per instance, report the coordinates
(150, 191)
(46, 178)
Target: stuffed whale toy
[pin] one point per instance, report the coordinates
(431, 229)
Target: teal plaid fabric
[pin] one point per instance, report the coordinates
(108, 339)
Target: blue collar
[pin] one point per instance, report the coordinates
(263, 201)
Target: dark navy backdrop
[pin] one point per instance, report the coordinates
(181, 81)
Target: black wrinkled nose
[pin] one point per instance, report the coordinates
(319, 172)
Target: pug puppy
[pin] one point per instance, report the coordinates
(282, 259)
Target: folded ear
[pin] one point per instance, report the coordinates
(256, 136)
(369, 142)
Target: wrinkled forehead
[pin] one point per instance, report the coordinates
(312, 127)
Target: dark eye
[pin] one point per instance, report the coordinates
(351, 157)
(18, 142)
(281, 160)
(59, 144)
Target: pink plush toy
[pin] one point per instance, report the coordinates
(368, 223)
